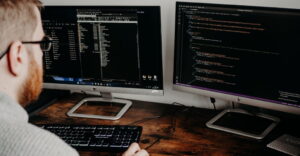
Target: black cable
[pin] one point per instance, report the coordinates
(158, 116)
(145, 119)
(156, 141)
(173, 121)
(213, 101)
(233, 106)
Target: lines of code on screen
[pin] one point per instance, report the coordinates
(240, 50)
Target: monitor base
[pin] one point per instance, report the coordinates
(287, 144)
(243, 123)
(108, 104)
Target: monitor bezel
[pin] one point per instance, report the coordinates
(239, 99)
(110, 89)
(90, 88)
(228, 96)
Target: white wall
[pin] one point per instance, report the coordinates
(168, 29)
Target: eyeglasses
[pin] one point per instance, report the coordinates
(45, 43)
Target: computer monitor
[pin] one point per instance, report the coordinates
(244, 54)
(107, 49)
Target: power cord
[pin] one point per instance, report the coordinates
(173, 121)
(213, 102)
(233, 105)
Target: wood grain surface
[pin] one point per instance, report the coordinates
(167, 129)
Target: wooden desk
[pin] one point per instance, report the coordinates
(178, 131)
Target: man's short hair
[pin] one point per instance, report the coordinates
(17, 21)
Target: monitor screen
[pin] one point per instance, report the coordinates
(240, 53)
(104, 48)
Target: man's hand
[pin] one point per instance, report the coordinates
(135, 150)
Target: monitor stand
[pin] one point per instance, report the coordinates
(242, 122)
(110, 108)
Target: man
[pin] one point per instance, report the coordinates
(21, 36)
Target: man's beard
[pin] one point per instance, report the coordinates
(32, 86)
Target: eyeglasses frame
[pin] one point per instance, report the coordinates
(46, 39)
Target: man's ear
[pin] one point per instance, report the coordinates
(16, 58)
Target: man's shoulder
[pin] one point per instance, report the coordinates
(27, 139)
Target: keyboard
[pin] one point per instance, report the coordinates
(112, 138)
